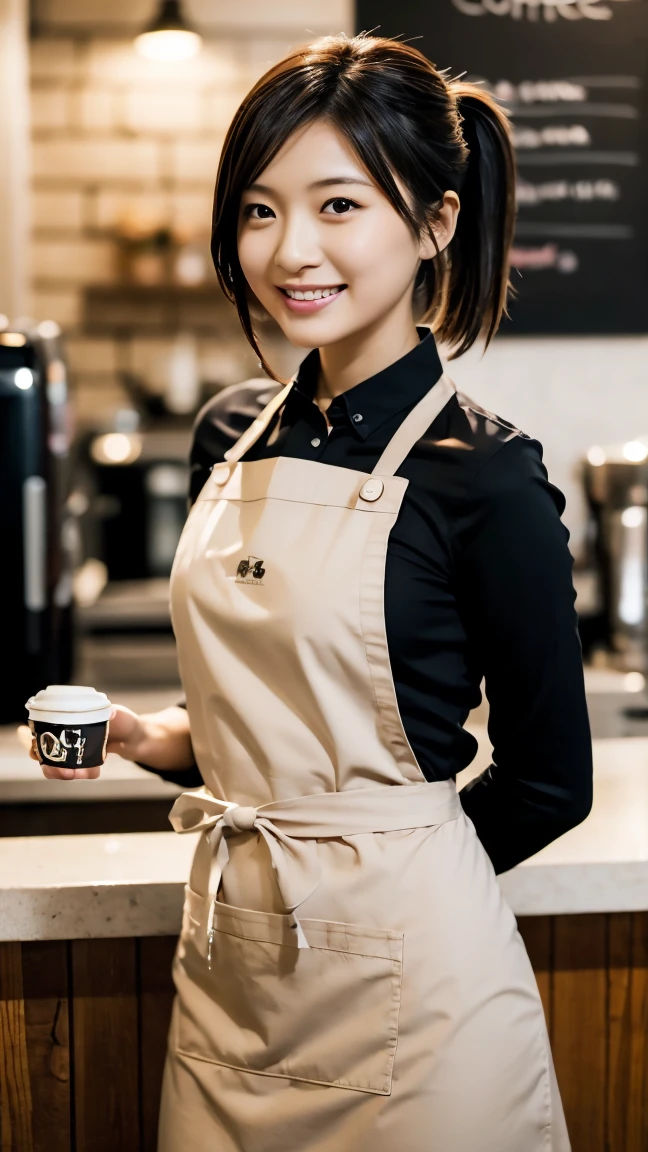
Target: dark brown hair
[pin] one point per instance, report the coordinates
(402, 117)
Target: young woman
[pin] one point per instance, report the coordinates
(365, 545)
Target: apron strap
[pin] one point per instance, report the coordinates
(258, 426)
(415, 425)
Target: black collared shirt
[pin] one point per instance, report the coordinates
(478, 585)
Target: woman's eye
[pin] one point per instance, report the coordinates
(258, 212)
(340, 205)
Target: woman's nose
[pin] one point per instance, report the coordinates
(298, 245)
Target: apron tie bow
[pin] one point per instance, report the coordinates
(200, 810)
(291, 827)
(239, 818)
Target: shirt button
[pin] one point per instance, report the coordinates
(357, 417)
(316, 442)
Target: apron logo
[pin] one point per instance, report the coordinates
(250, 571)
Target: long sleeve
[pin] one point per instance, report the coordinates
(517, 600)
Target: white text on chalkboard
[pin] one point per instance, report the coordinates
(548, 10)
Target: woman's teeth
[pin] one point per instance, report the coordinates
(318, 294)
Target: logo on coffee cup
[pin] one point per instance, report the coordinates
(56, 748)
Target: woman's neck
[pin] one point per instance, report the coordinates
(361, 355)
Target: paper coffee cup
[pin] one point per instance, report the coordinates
(70, 724)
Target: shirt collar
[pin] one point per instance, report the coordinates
(401, 385)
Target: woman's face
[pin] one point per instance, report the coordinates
(314, 221)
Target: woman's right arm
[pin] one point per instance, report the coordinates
(160, 741)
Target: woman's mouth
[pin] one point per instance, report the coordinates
(310, 299)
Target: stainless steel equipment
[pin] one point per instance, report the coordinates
(616, 484)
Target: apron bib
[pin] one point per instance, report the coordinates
(349, 977)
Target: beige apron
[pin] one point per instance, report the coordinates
(349, 977)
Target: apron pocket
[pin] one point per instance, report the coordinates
(327, 1014)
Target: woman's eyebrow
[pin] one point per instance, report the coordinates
(316, 184)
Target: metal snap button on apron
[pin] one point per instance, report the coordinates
(372, 489)
(220, 473)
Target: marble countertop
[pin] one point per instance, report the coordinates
(67, 887)
(601, 865)
(22, 782)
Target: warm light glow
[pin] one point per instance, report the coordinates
(596, 456)
(90, 579)
(24, 378)
(13, 339)
(48, 329)
(634, 682)
(168, 45)
(635, 451)
(116, 448)
(633, 517)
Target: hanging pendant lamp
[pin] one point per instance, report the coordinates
(168, 38)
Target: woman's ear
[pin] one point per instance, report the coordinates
(443, 227)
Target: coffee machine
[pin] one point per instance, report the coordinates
(616, 487)
(36, 526)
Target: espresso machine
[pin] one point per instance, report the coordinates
(36, 525)
(616, 486)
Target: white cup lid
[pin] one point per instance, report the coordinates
(68, 698)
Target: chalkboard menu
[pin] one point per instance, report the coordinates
(573, 77)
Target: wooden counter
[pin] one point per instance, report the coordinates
(88, 927)
(83, 1028)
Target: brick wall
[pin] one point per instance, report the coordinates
(113, 133)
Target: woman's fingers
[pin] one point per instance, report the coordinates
(123, 733)
(52, 773)
(25, 736)
(124, 727)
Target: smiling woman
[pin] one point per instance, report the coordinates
(349, 976)
(313, 250)
(334, 168)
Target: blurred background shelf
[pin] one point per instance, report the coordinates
(127, 605)
(157, 309)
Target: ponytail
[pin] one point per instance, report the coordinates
(472, 293)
